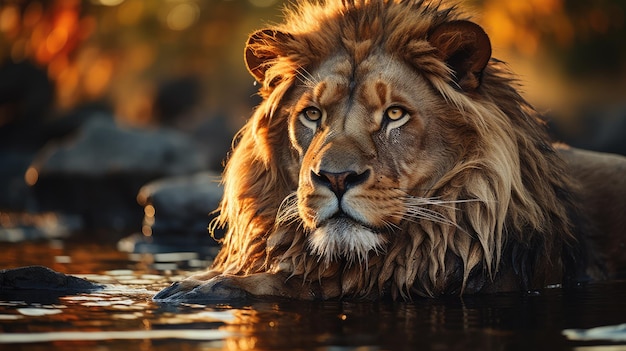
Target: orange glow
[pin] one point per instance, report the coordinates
(87, 26)
(500, 27)
(32, 14)
(527, 41)
(58, 66)
(121, 50)
(110, 2)
(546, 7)
(31, 176)
(149, 211)
(130, 12)
(9, 19)
(136, 105)
(67, 84)
(56, 40)
(513, 24)
(53, 36)
(518, 7)
(98, 76)
(146, 230)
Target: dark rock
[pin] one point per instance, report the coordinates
(98, 172)
(181, 205)
(42, 285)
(103, 148)
(177, 214)
(43, 278)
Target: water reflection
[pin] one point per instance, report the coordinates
(114, 335)
(123, 317)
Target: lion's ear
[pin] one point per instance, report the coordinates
(261, 49)
(466, 49)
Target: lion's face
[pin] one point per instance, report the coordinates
(371, 145)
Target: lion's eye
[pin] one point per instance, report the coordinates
(394, 117)
(311, 117)
(312, 114)
(395, 113)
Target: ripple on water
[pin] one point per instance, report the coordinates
(186, 334)
(111, 310)
(125, 312)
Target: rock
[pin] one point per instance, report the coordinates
(41, 285)
(177, 214)
(181, 205)
(43, 278)
(103, 148)
(97, 173)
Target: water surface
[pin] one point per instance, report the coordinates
(123, 317)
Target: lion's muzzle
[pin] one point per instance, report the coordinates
(341, 230)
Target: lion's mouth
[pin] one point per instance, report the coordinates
(343, 237)
(343, 217)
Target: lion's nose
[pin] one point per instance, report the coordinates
(340, 182)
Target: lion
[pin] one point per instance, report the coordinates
(393, 157)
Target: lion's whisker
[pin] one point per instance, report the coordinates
(287, 213)
(415, 200)
(417, 211)
(390, 226)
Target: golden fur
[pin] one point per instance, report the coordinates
(390, 157)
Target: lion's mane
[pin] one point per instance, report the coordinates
(519, 224)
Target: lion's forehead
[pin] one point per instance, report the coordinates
(373, 84)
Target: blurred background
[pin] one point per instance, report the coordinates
(101, 100)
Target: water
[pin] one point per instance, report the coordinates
(123, 317)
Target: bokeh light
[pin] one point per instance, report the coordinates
(121, 51)
(182, 16)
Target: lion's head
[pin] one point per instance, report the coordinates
(391, 154)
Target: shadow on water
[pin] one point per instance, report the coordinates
(123, 317)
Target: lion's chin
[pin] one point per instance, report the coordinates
(343, 238)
